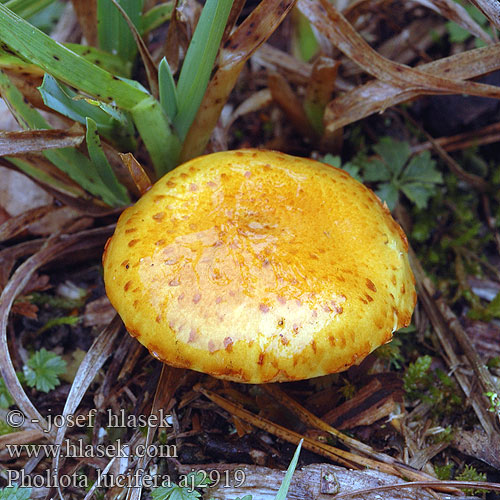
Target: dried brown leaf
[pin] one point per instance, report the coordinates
(376, 96)
(21, 222)
(242, 43)
(291, 105)
(332, 24)
(255, 102)
(138, 174)
(31, 141)
(86, 11)
(455, 12)
(274, 59)
(180, 30)
(491, 9)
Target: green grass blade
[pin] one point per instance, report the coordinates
(63, 64)
(162, 145)
(27, 8)
(70, 161)
(102, 59)
(156, 16)
(111, 123)
(113, 33)
(27, 116)
(199, 61)
(168, 92)
(285, 485)
(38, 174)
(117, 192)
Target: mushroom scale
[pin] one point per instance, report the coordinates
(256, 266)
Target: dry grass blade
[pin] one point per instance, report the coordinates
(480, 137)
(138, 174)
(149, 65)
(242, 43)
(170, 380)
(31, 141)
(232, 18)
(52, 249)
(375, 97)
(19, 223)
(10, 255)
(21, 437)
(255, 102)
(95, 358)
(449, 331)
(455, 12)
(310, 419)
(292, 69)
(332, 24)
(340, 456)
(291, 105)
(475, 181)
(491, 9)
(86, 11)
(423, 484)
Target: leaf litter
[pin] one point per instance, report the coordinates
(116, 372)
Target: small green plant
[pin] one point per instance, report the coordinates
(352, 169)
(494, 402)
(391, 352)
(433, 387)
(43, 369)
(183, 491)
(397, 171)
(469, 473)
(444, 472)
(6, 399)
(15, 493)
(457, 34)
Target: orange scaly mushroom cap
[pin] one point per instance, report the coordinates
(256, 266)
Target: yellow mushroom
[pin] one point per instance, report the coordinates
(256, 266)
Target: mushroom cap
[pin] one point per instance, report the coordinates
(256, 266)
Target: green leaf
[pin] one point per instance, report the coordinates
(493, 308)
(65, 65)
(27, 8)
(68, 160)
(285, 485)
(422, 168)
(199, 62)
(394, 153)
(156, 16)
(376, 171)
(113, 32)
(111, 122)
(15, 493)
(43, 369)
(117, 194)
(418, 193)
(47, 17)
(168, 92)
(388, 192)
